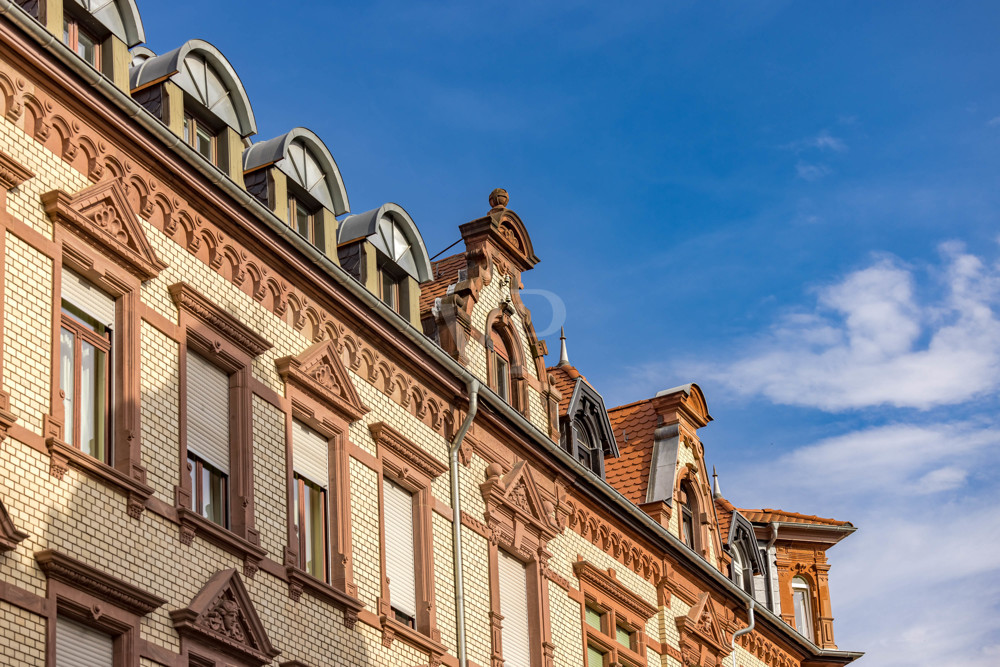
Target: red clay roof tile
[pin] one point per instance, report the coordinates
(445, 272)
(634, 425)
(768, 515)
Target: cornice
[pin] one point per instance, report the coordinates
(73, 573)
(606, 582)
(189, 299)
(12, 172)
(10, 535)
(388, 437)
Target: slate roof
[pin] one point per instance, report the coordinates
(634, 426)
(769, 515)
(445, 272)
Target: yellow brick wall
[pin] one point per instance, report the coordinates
(270, 486)
(159, 381)
(22, 637)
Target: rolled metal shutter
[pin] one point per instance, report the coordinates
(208, 411)
(80, 646)
(310, 454)
(84, 295)
(513, 579)
(400, 565)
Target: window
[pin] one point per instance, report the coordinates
(614, 618)
(310, 456)
(513, 580)
(802, 600)
(200, 137)
(586, 448)
(307, 222)
(85, 365)
(500, 372)
(742, 569)
(388, 288)
(688, 512)
(399, 561)
(82, 42)
(78, 645)
(208, 438)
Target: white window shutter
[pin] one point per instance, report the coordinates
(513, 579)
(310, 454)
(80, 292)
(208, 411)
(78, 645)
(400, 565)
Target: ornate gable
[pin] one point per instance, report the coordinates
(10, 535)
(703, 641)
(514, 508)
(320, 372)
(102, 215)
(222, 618)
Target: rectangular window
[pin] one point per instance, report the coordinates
(81, 42)
(200, 137)
(595, 619)
(624, 636)
(594, 657)
(85, 364)
(208, 438)
(78, 645)
(400, 560)
(310, 463)
(502, 378)
(389, 289)
(307, 222)
(513, 580)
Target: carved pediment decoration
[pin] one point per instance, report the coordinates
(75, 574)
(102, 215)
(10, 536)
(515, 509)
(204, 309)
(503, 229)
(412, 455)
(703, 641)
(607, 583)
(12, 172)
(222, 617)
(320, 371)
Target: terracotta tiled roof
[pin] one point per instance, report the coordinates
(445, 272)
(565, 380)
(634, 425)
(769, 515)
(724, 510)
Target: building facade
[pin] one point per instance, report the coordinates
(242, 425)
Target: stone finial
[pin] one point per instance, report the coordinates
(716, 491)
(563, 355)
(499, 198)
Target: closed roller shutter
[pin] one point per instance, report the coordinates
(208, 411)
(400, 566)
(514, 608)
(310, 454)
(84, 295)
(80, 646)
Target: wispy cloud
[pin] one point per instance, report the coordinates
(811, 172)
(824, 141)
(993, 122)
(873, 339)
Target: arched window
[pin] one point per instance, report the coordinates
(689, 511)
(742, 569)
(587, 449)
(802, 600)
(500, 366)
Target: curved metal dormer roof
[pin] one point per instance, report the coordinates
(121, 17)
(305, 159)
(390, 229)
(203, 72)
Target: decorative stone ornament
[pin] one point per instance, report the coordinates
(703, 642)
(499, 198)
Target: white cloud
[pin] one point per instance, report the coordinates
(872, 339)
(824, 141)
(811, 172)
(993, 122)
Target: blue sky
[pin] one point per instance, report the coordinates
(793, 204)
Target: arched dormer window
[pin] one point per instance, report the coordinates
(296, 176)
(585, 429)
(217, 116)
(742, 569)
(499, 371)
(689, 516)
(802, 602)
(383, 250)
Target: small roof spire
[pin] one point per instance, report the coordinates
(716, 491)
(563, 356)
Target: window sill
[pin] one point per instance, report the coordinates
(64, 455)
(300, 580)
(192, 524)
(393, 629)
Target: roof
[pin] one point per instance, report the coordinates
(634, 426)
(781, 516)
(445, 272)
(390, 229)
(564, 378)
(724, 511)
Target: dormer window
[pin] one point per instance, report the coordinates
(801, 598)
(586, 450)
(200, 137)
(389, 286)
(688, 513)
(500, 375)
(81, 41)
(742, 569)
(307, 222)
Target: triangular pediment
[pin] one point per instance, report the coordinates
(702, 632)
(320, 371)
(102, 215)
(518, 491)
(222, 616)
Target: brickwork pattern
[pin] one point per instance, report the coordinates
(269, 484)
(22, 637)
(365, 533)
(27, 351)
(159, 381)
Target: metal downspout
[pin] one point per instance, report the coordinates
(749, 628)
(456, 520)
